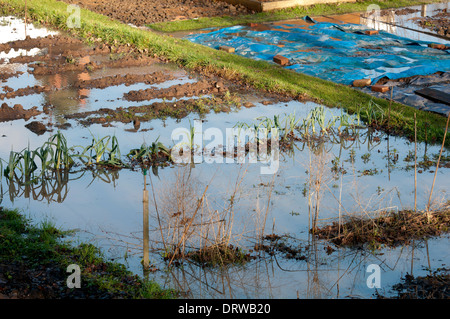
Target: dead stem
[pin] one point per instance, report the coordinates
(435, 172)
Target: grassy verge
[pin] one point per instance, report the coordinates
(257, 74)
(284, 14)
(28, 250)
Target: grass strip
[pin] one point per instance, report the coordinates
(283, 14)
(260, 75)
(28, 249)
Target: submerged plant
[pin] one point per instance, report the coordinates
(54, 154)
(147, 153)
(61, 156)
(100, 152)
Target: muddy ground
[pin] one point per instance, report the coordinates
(439, 23)
(25, 281)
(432, 286)
(144, 12)
(67, 66)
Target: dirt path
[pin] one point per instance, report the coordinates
(144, 12)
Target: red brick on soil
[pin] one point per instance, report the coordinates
(281, 60)
(380, 88)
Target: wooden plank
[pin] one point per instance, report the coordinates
(434, 95)
(251, 4)
(258, 6)
(275, 5)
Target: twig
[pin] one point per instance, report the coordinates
(437, 166)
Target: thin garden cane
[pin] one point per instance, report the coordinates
(415, 163)
(389, 111)
(26, 18)
(435, 172)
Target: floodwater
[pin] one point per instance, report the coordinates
(107, 207)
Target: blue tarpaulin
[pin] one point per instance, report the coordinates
(340, 53)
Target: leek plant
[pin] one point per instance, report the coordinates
(103, 151)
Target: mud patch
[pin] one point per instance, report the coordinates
(138, 114)
(202, 87)
(391, 229)
(439, 23)
(273, 243)
(151, 11)
(36, 127)
(212, 256)
(128, 79)
(11, 93)
(432, 286)
(17, 112)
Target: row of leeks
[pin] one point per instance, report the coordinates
(317, 122)
(56, 155)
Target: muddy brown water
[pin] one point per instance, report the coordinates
(106, 206)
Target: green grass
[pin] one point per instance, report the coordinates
(260, 75)
(283, 14)
(34, 246)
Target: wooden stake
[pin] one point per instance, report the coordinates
(145, 235)
(389, 112)
(26, 18)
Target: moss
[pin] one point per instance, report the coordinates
(35, 246)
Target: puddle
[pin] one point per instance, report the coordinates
(106, 206)
(13, 29)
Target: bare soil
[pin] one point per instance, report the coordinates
(24, 281)
(144, 12)
(127, 79)
(432, 286)
(199, 88)
(68, 63)
(391, 229)
(17, 112)
(439, 23)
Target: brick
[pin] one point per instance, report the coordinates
(380, 88)
(437, 46)
(362, 82)
(227, 49)
(281, 60)
(371, 32)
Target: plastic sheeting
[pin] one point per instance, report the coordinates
(340, 53)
